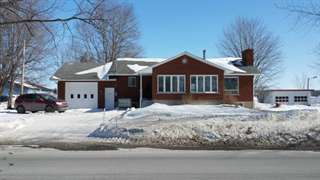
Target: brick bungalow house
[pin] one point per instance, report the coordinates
(184, 78)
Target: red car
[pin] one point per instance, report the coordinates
(39, 102)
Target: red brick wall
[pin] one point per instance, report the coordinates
(123, 91)
(61, 86)
(191, 67)
(245, 90)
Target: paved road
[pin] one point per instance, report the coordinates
(140, 164)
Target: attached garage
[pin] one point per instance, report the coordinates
(81, 94)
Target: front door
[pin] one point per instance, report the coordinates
(109, 98)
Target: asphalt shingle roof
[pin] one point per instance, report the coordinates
(68, 71)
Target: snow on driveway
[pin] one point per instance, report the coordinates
(71, 125)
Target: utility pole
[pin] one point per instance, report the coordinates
(308, 81)
(22, 73)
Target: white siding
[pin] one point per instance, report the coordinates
(270, 96)
(90, 89)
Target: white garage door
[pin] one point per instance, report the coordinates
(82, 94)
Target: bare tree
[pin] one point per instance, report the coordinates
(301, 81)
(252, 33)
(114, 37)
(306, 13)
(13, 38)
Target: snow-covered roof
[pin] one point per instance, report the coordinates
(227, 63)
(101, 71)
(142, 59)
(137, 67)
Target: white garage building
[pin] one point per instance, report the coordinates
(287, 96)
(81, 94)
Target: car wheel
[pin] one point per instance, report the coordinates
(21, 109)
(49, 109)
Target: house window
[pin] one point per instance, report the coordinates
(300, 99)
(231, 85)
(171, 84)
(78, 96)
(281, 99)
(85, 96)
(71, 96)
(91, 96)
(132, 81)
(204, 84)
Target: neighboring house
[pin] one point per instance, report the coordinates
(316, 93)
(287, 96)
(28, 88)
(184, 78)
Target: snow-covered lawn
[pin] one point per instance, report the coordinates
(160, 124)
(217, 126)
(73, 125)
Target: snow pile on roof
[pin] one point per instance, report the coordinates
(226, 63)
(136, 67)
(100, 70)
(142, 59)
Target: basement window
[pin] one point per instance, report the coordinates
(132, 81)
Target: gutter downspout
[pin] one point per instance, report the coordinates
(140, 100)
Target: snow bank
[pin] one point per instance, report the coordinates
(218, 126)
(165, 112)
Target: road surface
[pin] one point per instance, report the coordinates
(153, 164)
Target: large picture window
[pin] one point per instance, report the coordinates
(231, 85)
(171, 83)
(204, 84)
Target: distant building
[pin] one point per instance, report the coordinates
(287, 96)
(316, 93)
(28, 88)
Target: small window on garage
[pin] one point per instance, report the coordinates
(300, 99)
(132, 81)
(91, 96)
(78, 96)
(85, 96)
(71, 96)
(282, 99)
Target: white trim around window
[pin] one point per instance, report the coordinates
(232, 91)
(203, 88)
(172, 88)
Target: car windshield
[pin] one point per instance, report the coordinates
(48, 97)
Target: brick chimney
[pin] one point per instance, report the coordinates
(247, 57)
